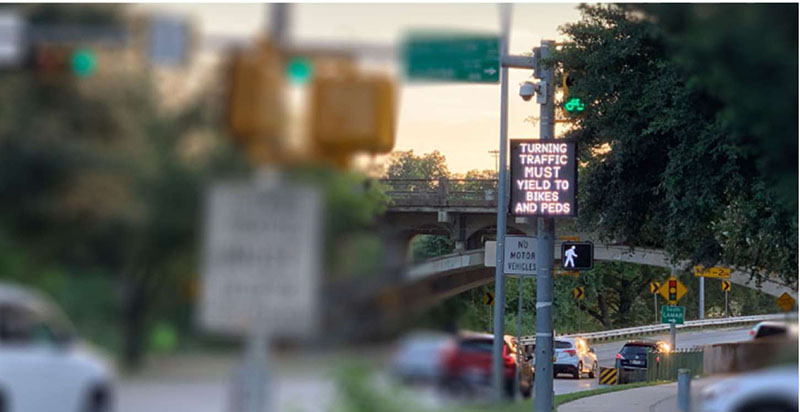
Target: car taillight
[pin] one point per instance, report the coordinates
(619, 356)
(447, 354)
(752, 332)
(570, 352)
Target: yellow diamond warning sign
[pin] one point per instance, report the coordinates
(786, 302)
(672, 290)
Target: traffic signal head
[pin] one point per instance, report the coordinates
(58, 60)
(567, 81)
(673, 290)
(299, 70)
(83, 62)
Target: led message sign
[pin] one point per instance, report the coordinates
(543, 178)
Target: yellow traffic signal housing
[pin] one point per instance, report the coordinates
(353, 113)
(256, 94)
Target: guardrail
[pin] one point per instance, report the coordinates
(442, 192)
(651, 329)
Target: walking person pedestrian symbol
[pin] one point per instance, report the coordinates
(570, 256)
(577, 256)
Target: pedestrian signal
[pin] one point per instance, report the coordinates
(577, 255)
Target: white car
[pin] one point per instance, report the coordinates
(768, 390)
(419, 357)
(768, 329)
(573, 356)
(43, 366)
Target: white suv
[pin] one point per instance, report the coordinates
(573, 356)
(43, 366)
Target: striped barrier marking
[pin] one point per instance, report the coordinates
(608, 376)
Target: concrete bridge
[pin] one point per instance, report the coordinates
(465, 210)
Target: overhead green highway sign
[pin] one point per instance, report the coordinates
(452, 57)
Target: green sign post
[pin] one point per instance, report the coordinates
(452, 57)
(672, 314)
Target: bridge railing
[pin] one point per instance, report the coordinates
(660, 328)
(441, 192)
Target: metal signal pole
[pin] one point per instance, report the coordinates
(499, 277)
(543, 384)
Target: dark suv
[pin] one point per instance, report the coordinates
(633, 354)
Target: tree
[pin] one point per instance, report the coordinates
(663, 165)
(99, 187)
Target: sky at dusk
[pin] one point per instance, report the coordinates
(459, 120)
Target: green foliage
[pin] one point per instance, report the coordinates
(97, 187)
(681, 173)
(351, 206)
(429, 246)
(406, 165)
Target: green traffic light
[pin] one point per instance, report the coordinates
(574, 105)
(299, 70)
(83, 62)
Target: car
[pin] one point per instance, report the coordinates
(419, 357)
(44, 367)
(633, 354)
(768, 390)
(468, 363)
(768, 329)
(573, 356)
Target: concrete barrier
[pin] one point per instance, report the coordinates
(608, 376)
(746, 356)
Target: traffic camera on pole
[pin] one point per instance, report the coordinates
(528, 89)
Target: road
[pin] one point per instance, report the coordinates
(200, 384)
(607, 352)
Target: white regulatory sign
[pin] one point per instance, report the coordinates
(520, 255)
(261, 259)
(12, 38)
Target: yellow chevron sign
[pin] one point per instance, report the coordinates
(488, 298)
(726, 286)
(654, 287)
(578, 293)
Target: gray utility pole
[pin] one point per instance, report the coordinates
(543, 384)
(518, 62)
(502, 211)
(726, 303)
(672, 331)
(655, 307)
(701, 312)
(279, 22)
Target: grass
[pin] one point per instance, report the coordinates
(526, 405)
(360, 394)
(569, 397)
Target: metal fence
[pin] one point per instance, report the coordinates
(664, 366)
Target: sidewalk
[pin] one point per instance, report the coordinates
(659, 398)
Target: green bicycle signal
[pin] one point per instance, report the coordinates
(574, 105)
